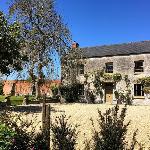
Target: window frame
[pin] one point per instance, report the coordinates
(108, 70)
(137, 91)
(139, 68)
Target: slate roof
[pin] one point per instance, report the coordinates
(117, 49)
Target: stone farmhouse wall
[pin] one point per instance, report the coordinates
(123, 65)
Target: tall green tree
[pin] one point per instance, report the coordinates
(11, 56)
(43, 31)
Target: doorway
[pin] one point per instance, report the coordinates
(109, 92)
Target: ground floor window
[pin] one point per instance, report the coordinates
(138, 90)
(81, 89)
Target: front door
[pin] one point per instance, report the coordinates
(109, 92)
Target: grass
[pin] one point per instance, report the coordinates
(2, 97)
(16, 100)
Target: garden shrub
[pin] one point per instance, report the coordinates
(64, 134)
(123, 98)
(71, 92)
(55, 90)
(117, 77)
(25, 137)
(1, 88)
(56, 94)
(112, 130)
(6, 137)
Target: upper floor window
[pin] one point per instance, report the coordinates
(138, 66)
(80, 69)
(109, 67)
(138, 90)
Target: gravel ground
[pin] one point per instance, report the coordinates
(81, 114)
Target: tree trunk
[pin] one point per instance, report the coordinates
(37, 89)
(39, 80)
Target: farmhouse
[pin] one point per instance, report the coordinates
(120, 67)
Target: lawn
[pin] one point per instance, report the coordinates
(81, 114)
(15, 100)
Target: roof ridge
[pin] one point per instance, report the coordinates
(117, 49)
(117, 44)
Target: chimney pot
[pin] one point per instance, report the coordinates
(75, 45)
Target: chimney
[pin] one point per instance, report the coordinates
(75, 45)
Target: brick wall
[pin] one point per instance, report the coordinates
(23, 87)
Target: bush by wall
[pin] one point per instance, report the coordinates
(71, 92)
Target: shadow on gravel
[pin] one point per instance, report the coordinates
(28, 109)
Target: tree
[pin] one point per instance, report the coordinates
(10, 46)
(43, 31)
(70, 63)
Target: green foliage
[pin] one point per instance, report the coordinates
(91, 96)
(25, 136)
(71, 92)
(45, 34)
(2, 97)
(1, 88)
(107, 76)
(128, 83)
(112, 130)
(123, 97)
(117, 77)
(64, 134)
(146, 82)
(71, 64)
(116, 94)
(16, 100)
(146, 90)
(39, 142)
(6, 137)
(10, 46)
(86, 78)
(54, 90)
(98, 83)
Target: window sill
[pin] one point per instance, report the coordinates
(80, 74)
(139, 97)
(108, 72)
(137, 73)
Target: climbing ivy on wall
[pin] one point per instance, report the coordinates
(146, 83)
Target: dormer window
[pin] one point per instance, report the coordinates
(138, 66)
(109, 67)
(80, 69)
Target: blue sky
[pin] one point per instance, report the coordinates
(103, 22)
(99, 22)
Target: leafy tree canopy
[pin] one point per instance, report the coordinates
(10, 45)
